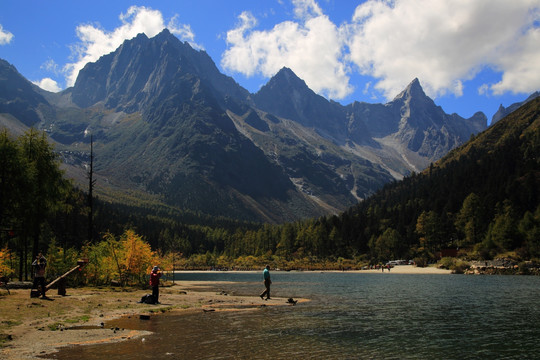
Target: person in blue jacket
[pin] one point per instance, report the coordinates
(267, 282)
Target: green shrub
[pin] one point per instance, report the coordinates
(458, 266)
(421, 261)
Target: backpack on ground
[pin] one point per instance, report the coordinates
(147, 299)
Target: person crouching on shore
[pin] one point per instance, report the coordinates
(154, 283)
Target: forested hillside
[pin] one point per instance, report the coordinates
(481, 199)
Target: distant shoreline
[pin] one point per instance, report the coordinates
(397, 269)
(407, 269)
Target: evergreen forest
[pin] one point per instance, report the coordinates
(480, 202)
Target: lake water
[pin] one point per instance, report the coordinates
(350, 316)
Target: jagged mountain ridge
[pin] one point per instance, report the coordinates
(167, 122)
(502, 111)
(424, 128)
(411, 124)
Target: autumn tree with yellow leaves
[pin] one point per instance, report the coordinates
(126, 259)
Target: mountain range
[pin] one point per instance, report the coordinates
(168, 126)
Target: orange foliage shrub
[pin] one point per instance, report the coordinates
(5, 269)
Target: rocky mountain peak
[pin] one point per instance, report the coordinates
(142, 71)
(288, 90)
(285, 80)
(413, 91)
(164, 34)
(288, 96)
(286, 76)
(141, 38)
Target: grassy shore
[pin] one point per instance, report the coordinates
(30, 327)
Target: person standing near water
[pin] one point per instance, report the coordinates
(39, 266)
(154, 283)
(267, 282)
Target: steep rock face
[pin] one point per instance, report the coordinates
(176, 139)
(319, 168)
(19, 97)
(416, 123)
(144, 71)
(426, 129)
(410, 123)
(288, 96)
(309, 141)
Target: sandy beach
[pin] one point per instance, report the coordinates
(409, 269)
(30, 327)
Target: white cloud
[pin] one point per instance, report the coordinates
(483, 89)
(5, 36)
(96, 42)
(51, 66)
(306, 9)
(312, 48)
(446, 42)
(519, 64)
(183, 31)
(48, 84)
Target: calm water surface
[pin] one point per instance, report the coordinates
(351, 316)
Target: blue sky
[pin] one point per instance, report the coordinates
(469, 55)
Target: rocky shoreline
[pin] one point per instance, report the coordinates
(503, 267)
(493, 270)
